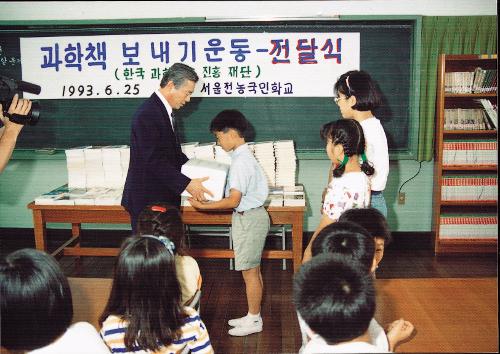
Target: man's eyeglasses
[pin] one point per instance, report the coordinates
(337, 99)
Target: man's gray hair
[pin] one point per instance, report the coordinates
(178, 73)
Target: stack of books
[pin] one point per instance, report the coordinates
(204, 151)
(75, 163)
(112, 164)
(275, 197)
(80, 196)
(484, 80)
(469, 188)
(96, 176)
(94, 168)
(468, 226)
(294, 196)
(477, 81)
(466, 119)
(264, 153)
(60, 194)
(216, 171)
(125, 160)
(286, 163)
(188, 149)
(491, 112)
(480, 152)
(109, 197)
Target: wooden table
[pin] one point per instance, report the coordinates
(79, 214)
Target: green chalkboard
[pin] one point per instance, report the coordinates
(387, 53)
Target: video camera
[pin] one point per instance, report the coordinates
(8, 88)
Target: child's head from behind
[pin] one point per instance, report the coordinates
(160, 219)
(229, 127)
(345, 138)
(348, 240)
(357, 91)
(146, 291)
(375, 223)
(335, 297)
(35, 299)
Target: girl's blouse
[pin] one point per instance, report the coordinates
(351, 190)
(194, 336)
(188, 274)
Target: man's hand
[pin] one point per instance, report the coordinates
(197, 190)
(18, 106)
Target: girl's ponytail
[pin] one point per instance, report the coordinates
(366, 166)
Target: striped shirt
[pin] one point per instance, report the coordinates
(194, 336)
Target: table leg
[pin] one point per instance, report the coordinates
(75, 232)
(40, 231)
(297, 242)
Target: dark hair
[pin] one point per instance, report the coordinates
(35, 297)
(178, 73)
(371, 219)
(358, 83)
(147, 294)
(335, 297)
(160, 219)
(348, 133)
(229, 119)
(347, 239)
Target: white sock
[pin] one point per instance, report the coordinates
(252, 316)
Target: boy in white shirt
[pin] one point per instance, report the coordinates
(246, 192)
(337, 312)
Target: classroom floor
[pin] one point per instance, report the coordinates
(408, 256)
(430, 291)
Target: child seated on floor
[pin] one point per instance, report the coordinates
(336, 309)
(165, 220)
(144, 312)
(37, 308)
(375, 223)
(355, 243)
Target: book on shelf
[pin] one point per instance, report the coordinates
(468, 226)
(482, 152)
(466, 119)
(469, 188)
(491, 112)
(477, 81)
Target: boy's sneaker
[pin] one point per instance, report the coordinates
(245, 326)
(236, 322)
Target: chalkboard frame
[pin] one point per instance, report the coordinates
(407, 152)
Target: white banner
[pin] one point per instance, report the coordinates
(228, 64)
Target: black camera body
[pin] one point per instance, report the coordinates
(8, 88)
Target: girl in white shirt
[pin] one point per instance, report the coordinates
(357, 96)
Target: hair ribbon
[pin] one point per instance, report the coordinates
(169, 245)
(158, 208)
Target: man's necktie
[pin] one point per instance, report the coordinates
(174, 127)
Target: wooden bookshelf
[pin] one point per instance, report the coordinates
(464, 243)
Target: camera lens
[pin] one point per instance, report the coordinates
(34, 113)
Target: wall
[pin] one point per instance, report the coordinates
(78, 10)
(25, 179)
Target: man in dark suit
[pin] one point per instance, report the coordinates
(156, 157)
